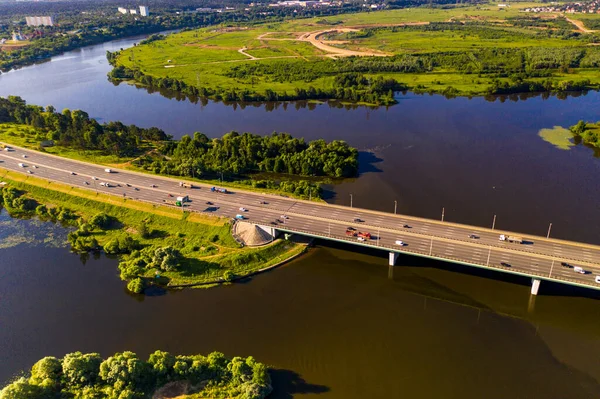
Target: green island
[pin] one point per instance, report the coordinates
(587, 132)
(125, 376)
(159, 245)
(366, 57)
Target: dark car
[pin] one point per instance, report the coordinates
(208, 203)
(473, 236)
(351, 229)
(565, 264)
(406, 226)
(505, 264)
(357, 220)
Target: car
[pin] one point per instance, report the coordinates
(35, 166)
(243, 209)
(284, 217)
(209, 203)
(406, 226)
(400, 242)
(30, 172)
(505, 264)
(473, 236)
(565, 264)
(170, 195)
(361, 239)
(153, 185)
(24, 156)
(262, 202)
(598, 279)
(579, 270)
(358, 220)
(350, 229)
(72, 173)
(86, 183)
(94, 178)
(279, 221)
(21, 165)
(128, 185)
(240, 217)
(102, 183)
(136, 189)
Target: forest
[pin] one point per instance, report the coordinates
(125, 376)
(232, 157)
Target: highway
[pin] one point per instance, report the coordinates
(537, 257)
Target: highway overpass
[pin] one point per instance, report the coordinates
(538, 257)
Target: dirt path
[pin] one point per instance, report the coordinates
(243, 52)
(579, 25)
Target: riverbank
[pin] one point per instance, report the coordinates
(200, 248)
(587, 132)
(366, 57)
(124, 375)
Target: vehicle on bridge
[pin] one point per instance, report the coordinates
(21, 165)
(515, 239)
(579, 270)
(185, 185)
(366, 235)
(107, 170)
(183, 198)
(240, 217)
(218, 190)
(598, 279)
(400, 243)
(350, 232)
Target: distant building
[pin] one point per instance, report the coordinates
(122, 10)
(144, 11)
(133, 11)
(40, 21)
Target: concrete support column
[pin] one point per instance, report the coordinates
(393, 258)
(273, 232)
(535, 286)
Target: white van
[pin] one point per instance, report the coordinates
(108, 170)
(578, 269)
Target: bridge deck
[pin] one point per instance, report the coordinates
(540, 258)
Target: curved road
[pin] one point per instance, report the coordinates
(537, 257)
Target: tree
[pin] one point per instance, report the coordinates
(162, 364)
(166, 258)
(143, 230)
(136, 285)
(23, 389)
(123, 370)
(81, 369)
(47, 371)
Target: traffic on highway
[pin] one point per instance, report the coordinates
(564, 261)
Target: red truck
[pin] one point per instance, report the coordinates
(365, 235)
(351, 233)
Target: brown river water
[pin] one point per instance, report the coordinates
(338, 323)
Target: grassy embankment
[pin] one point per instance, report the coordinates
(205, 57)
(208, 249)
(26, 137)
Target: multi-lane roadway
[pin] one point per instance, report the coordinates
(537, 257)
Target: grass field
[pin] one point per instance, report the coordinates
(206, 243)
(211, 58)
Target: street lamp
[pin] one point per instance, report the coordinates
(494, 222)
(549, 228)
(443, 209)
(395, 206)
(350, 200)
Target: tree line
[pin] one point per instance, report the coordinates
(588, 133)
(125, 376)
(75, 129)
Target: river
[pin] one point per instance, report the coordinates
(338, 323)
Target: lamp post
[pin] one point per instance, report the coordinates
(549, 228)
(350, 200)
(395, 206)
(494, 222)
(443, 209)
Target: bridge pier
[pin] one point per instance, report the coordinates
(393, 257)
(273, 232)
(535, 286)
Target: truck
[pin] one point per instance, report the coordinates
(185, 185)
(350, 233)
(365, 235)
(107, 170)
(183, 198)
(518, 240)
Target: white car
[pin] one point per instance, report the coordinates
(102, 183)
(580, 270)
(86, 183)
(94, 178)
(361, 239)
(35, 166)
(400, 242)
(598, 279)
(24, 156)
(72, 173)
(243, 209)
(285, 217)
(30, 172)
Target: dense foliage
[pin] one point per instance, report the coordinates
(588, 133)
(125, 376)
(76, 129)
(245, 153)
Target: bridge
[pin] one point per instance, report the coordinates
(538, 258)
